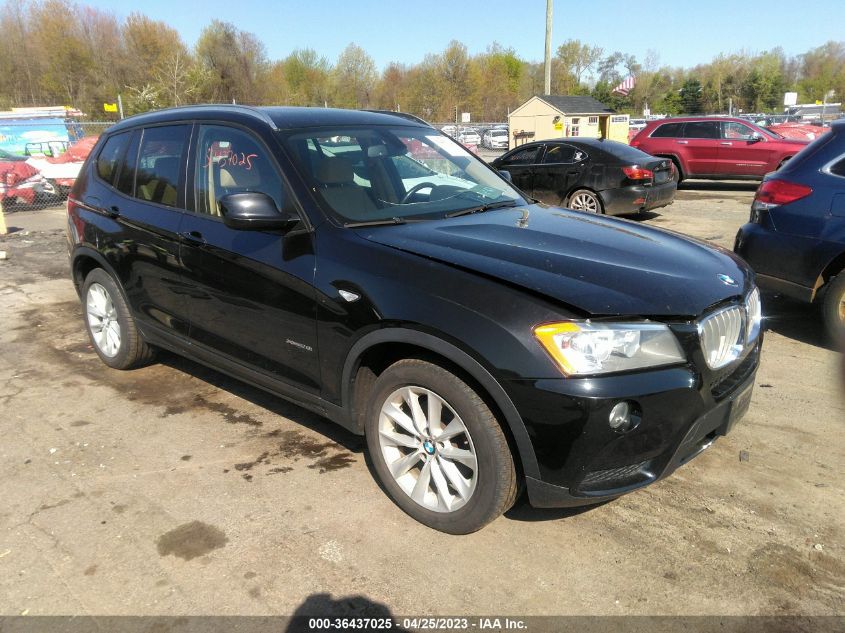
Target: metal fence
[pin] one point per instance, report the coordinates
(40, 159)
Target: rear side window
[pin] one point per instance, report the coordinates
(109, 157)
(560, 154)
(159, 164)
(525, 156)
(668, 130)
(838, 168)
(702, 129)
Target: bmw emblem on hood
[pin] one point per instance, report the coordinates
(727, 280)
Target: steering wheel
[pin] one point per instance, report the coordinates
(415, 189)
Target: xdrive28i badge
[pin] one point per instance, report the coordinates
(727, 280)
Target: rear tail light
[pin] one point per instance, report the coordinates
(635, 172)
(777, 192)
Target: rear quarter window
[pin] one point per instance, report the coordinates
(109, 157)
(838, 168)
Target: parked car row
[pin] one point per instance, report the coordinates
(495, 137)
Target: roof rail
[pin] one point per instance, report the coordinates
(253, 110)
(404, 115)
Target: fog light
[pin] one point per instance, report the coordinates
(620, 417)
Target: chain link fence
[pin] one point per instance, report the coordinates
(40, 159)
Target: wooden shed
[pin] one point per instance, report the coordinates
(558, 116)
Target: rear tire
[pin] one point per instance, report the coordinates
(437, 449)
(833, 310)
(110, 325)
(585, 200)
(678, 176)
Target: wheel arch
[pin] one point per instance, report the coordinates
(834, 267)
(678, 164)
(398, 342)
(83, 261)
(597, 193)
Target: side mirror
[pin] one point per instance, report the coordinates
(755, 138)
(254, 211)
(506, 175)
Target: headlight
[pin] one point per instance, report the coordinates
(583, 347)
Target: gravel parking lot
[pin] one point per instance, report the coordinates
(175, 490)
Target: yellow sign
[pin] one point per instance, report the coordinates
(559, 125)
(819, 102)
(109, 107)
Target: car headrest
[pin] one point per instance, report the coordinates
(239, 177)
(335, 171)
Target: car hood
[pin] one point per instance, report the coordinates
(600, 266)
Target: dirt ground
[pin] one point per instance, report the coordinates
(175, 490)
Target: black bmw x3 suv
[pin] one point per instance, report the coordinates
(371, 269)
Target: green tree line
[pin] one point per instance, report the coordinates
(57, 52)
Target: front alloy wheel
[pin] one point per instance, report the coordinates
(427, 449)
(437, 448)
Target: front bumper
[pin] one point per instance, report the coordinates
(583, 461)
(637, 198)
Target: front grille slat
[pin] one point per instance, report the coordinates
(722, 335)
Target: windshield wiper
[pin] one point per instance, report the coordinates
(381, 222)
(483, 207)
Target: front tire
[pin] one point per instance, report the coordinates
(110, 324)
(437, 448)
(833, 309)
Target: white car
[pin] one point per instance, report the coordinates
(497, 138)
(469, 137)
(636, 124)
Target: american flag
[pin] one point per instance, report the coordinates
(625, 87)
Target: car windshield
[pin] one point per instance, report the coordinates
(498, 133)
(375, 174)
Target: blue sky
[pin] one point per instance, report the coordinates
(684, 33)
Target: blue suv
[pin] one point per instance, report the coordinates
(795, 238)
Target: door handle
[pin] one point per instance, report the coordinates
(682, 142)
(194, 238)
(725, 143)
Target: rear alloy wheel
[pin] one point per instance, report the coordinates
(833, 309)
(110, 325)
(438, 449)
(585, 200)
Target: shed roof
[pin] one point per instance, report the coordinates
(576, 104)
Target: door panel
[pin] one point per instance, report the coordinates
(250, 293)
(563, 167)
(250, 297)
(700, 147)
(741, 155)
(520, 165)
(145, 244)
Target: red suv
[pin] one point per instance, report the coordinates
(708, 147)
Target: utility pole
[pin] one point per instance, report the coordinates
(547, 86)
